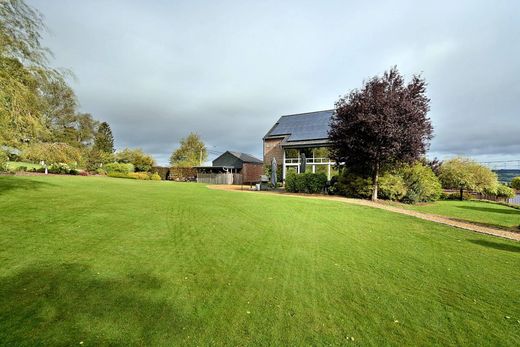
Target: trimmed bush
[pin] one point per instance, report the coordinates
(392, 187)
(119, 175)
(311, 183)
(315, 182)
(515, 183)
(118, 168)
(101, 171)
(140, 175)
(143, 176)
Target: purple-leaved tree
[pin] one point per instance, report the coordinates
(382, 125)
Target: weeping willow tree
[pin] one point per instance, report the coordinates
(32, 94)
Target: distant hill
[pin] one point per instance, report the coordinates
(506, 175)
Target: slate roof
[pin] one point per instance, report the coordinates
(246, 158)
(302, 127)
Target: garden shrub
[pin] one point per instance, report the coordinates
(21, 168)
(95, 159)
(421, 183)
(141, 161)
(312, 183)
(332, 185)
(504, 191)
(59, 169)
(101, 171)
(123, 168)
(392, 187)
(515, 183)
(155, 177)
(315, 182)
(3, 161)
(352, 185)
(411, 184)
(290, 182)
(299, 183)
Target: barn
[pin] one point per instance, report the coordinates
(231, 168)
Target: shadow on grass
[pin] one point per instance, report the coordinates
(492, 210)
(9, 183)
(68, 303)
(497, 245)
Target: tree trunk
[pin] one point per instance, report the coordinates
(461, 194)
(375, 182)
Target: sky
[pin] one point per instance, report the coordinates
(227, 70)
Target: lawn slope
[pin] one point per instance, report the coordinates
(112, 261)
(482, 212)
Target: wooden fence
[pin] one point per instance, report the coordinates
(219, 178)
(237, 178)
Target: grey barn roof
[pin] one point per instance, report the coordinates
(246, 158)
(302, 127)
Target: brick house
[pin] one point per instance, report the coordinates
(297, 134)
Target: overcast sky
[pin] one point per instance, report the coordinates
(156, 70)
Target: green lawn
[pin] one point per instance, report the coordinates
(121, 262)
(473, 211)
(13, 165)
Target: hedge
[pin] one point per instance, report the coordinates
(311, 183)
(162, 171)
(183, 174)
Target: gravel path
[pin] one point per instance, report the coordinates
(426, 216)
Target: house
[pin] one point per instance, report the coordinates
(231, 168)
(296, 136)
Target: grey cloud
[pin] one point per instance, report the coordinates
(158, 70)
